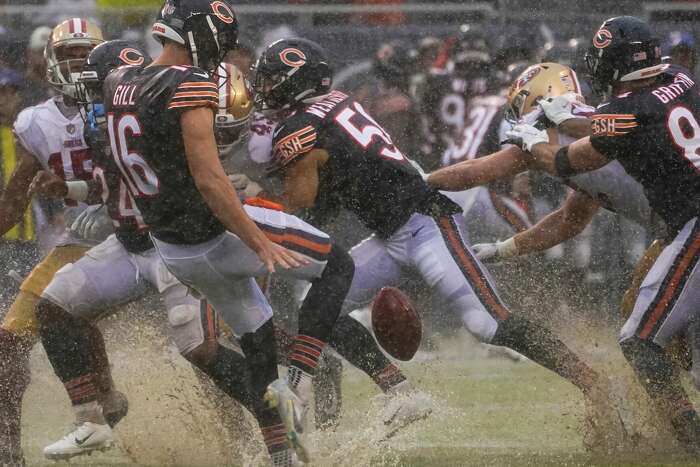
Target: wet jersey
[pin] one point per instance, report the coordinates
(129, 226)
(480, 133)
(143, 107)
(57, 143)
(655, 134)
(445, 110)
(365, 173)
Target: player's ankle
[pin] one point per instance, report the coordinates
(89, 412)
(390, 378)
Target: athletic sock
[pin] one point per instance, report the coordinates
(356, 345)
(275, 438)
(303, 361)
(229, 372)
(66, 340)
(389, 378)
(541, 346)
(89, 412)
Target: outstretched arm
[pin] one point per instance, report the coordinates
(559, 226)
(476, 172)
(580, 156)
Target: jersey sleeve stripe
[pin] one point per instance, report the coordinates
(200, 103)
(616, 116)
(178, 95)
(202, 84)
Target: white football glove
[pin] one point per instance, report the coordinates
(495, 252)
(560, 108)
(245, 187)
(526, 136)
(93, 224)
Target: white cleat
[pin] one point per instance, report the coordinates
(84, 439)
(402, 406)
(292, 410)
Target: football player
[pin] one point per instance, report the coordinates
(50, 137)
(649, 124)
(160, 121)
(117, 270)
(330, 153)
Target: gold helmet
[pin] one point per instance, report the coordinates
(66, 50)
(540, 82)
(235, 108)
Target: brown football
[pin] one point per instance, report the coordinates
(396, 323)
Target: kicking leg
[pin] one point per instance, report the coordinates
(666, 306)
(447, 264)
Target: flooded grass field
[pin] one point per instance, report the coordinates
(489, 410)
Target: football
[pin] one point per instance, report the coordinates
(396, 323)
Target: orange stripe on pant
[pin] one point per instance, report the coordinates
(672, 289)
(321, 248)
(472, 271)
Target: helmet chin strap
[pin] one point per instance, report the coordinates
(193, 49)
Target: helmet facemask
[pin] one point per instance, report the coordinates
(64, 65)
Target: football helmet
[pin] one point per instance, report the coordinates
(66, 50)
(104, 58)
(208, 29)
(623, 49)
(394, 62)
(539, 82)
(235, 108)
(290, 72)
(470, 53)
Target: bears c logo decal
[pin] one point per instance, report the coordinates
(602, 38)
(223, 12)
(131, 56)
(293, 57)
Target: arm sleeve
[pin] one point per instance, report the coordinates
(195, 88)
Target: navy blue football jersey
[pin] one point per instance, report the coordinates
(143, 107)
(365, 173)
(654, 133)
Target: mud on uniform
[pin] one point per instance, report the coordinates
(120, 269)
(144, 107)
(654, 133)
(57, 143)
(413, 225)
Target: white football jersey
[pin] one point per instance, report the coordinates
(58, 144)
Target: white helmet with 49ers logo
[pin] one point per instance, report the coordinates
(66, 50)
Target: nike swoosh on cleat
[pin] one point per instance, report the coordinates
(80, 442)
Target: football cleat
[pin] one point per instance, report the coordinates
(402, 406)
(292, 410)
(84, 439)
(115, 407)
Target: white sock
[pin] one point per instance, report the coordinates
(301, 382)
(89, 412)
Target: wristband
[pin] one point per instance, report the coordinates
(77, 190)
(507, 248)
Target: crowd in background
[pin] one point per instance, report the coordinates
(426, 86)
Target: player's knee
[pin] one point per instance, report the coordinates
(202, 356)
(48, 312)
(340, 263)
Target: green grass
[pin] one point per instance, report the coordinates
(489, 412)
